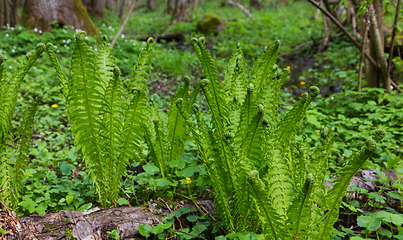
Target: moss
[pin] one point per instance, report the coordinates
(69, 235)
(83, 15)
(210, 23)
(47, 227)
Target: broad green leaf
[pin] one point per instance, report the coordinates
(151, 169)
(369, 223)
(123, 201)
(144, 230)
(69, 198)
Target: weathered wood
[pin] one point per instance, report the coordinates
(92, 224)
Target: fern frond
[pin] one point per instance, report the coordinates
(23, 136)
(106, 62)
(288, 125)
(212, 88)
(86, 100)
(279, 182)
(253, 139)
(248, 111)
(56, 65)
(299, 217)
(339, 189)
(264, 66)
(134, 121)
(10, 87)
(176, 127)
(273, 225)
(235, 78)
(141, 70)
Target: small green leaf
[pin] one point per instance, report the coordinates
(85, 207)
(69, 198)
(191, 218)
(123, 201)
(369, 223)
(144, 230)
(385, 233)
(66, 168)
(395, 195)
(151, 169)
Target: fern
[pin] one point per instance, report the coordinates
(246, 139)
(23, 140)
(339, 189)
(9, 87)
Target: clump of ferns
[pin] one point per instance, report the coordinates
(110, 119)
(107, 116)
(14, 146)
(264, 181)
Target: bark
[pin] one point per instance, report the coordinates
(151, 5)
(8, 13)
(94, 7)
(254, 4)
(41, 13)
(377, 47)
(92, 224)
(109, 4)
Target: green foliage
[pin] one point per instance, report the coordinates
(265, 145)
(11, 173)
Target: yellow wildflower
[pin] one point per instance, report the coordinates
(325, 58)
(189, 92)
(318, 133)
(222, 48)
(188, 180)
(64, 115)
(28, 87)
(302, 83)
(288, 67)
(270, 42)
(54, 106)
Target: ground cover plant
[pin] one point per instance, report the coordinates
(184, 140)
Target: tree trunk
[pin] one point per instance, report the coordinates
(254, 4)
(372, 73)
(177, 8)
(109, 4)
(94, 7)
(151, 5)
(41, 14)
(8, 13)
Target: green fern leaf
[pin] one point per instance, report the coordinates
(106, 62)
(264, 66)
(273, 225)
(141, 70)
(339, 189)
(23, 136)
(212, 88)
(56, 65)
(176, 128)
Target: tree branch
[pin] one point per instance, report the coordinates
(243, 9)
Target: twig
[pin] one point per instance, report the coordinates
(364, 33)
(393, 37)
(124, 23)
(243, 9)
(344, 30)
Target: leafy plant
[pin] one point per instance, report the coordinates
(273, 182)
(106, 118)
(12, 173)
